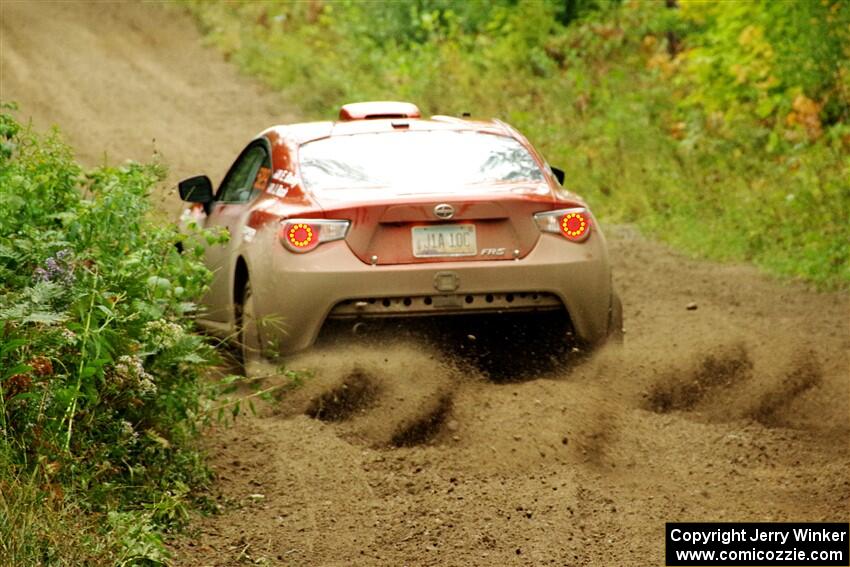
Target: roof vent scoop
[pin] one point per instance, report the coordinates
(378, 109)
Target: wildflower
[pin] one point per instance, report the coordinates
(57, 269)
(17, 384)
(41, 366)
(147, 386)
(162, 334)
(69, 335)
(130, 373)
(127, 430)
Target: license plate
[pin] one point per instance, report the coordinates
(444, 240)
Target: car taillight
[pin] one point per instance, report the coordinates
(303, 235)
(572, 224)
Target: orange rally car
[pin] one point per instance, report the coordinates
(384, 213)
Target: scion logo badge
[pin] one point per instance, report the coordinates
(444, 211)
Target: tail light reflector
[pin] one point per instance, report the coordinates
(573, 224)
(303, 235)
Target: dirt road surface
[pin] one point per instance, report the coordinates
(404, 452)
(130, 80)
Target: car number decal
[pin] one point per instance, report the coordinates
(278, 189)
(282, 182)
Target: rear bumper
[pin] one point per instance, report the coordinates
(297, 293)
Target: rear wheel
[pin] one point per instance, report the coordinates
(248, 339)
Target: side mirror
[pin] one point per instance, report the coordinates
(196, 189)
(558, 173)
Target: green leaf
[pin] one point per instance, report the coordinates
(159, 282)
(192, 358)
(46, 318)
(18, 369)
(26, 396)
(11, 345)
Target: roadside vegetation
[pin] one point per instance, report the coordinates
(720, 127)
(100, 397)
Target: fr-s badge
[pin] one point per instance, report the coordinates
(492, 251)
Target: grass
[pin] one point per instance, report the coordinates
(42, 525)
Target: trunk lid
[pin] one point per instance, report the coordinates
(405, 228)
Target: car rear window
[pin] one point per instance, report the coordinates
(415, 160)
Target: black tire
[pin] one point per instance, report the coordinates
(248, 341)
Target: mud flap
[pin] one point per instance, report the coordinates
(616, 333)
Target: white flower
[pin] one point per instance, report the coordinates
(162, 334)
(129, 372)
(147, 386)
(127, 429)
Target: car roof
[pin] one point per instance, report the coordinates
(309, 131)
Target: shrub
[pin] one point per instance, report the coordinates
(100, 396)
